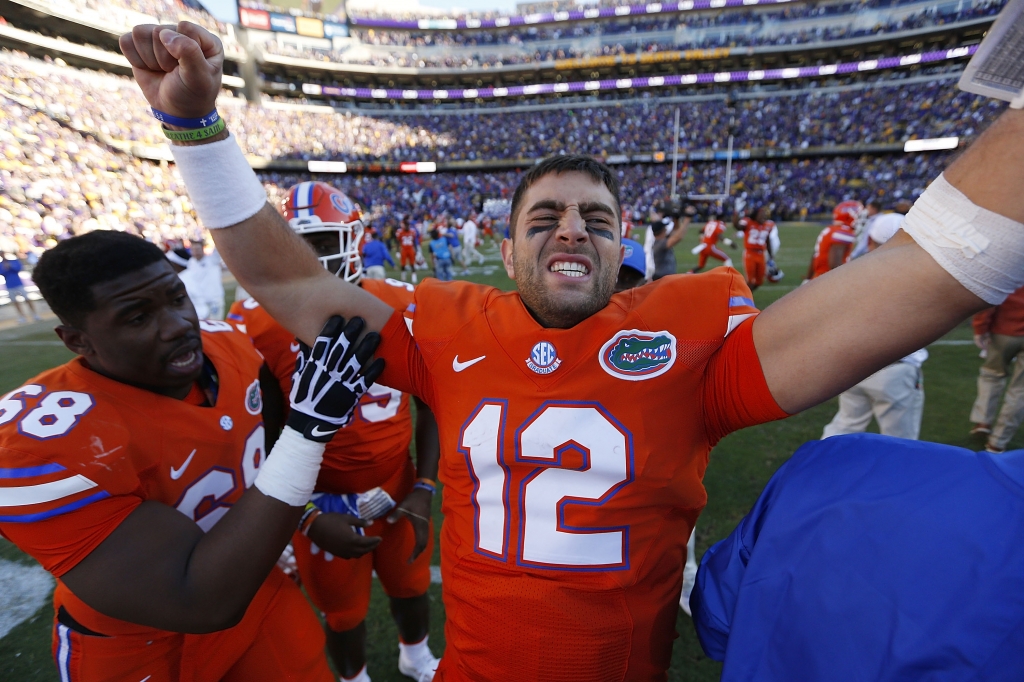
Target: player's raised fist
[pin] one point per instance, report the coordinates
(178, 67)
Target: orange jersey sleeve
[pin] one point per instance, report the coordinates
(275, 343)
(829, 237)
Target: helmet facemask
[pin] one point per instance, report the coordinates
(336, 245)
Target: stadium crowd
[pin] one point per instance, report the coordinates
(784, 121)
(61, 177)
(498, 50)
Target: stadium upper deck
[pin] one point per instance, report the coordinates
(805, 40)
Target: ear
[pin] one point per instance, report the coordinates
(506, 257)
(75, 340)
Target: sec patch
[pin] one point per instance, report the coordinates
(635, 355)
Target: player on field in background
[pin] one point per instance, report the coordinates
(409, 246)
(367, 467)
(834, 243)
(755, 230)
(894, 395)
(576, 423)
(713, 231)
(999, 332)
(126, 473)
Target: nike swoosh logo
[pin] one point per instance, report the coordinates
(295, 347)
(459, 366)
(317, 433)
(176, 473)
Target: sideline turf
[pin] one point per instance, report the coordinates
(740, 466)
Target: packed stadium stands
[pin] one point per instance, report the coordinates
(800, 145)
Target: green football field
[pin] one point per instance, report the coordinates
(740, 465)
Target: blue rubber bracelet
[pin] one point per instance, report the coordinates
(424, 486)
(203, 122)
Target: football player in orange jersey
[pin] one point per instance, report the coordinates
(708, 247)
(832, 248)
(576, 423)
(370, 459)
(755, 229)
(409, 244)
(126, 473)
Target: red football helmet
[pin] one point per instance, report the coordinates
(846, 213)
(332, 224)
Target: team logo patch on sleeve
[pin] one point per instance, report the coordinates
(636, 355)
(254, 398)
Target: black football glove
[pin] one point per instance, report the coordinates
(331, 377)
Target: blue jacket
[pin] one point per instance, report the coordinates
(10, 271)
(439, 247)
(375, 253)
(872, 558)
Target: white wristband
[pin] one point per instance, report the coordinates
(223, 188)
(289, 474)
(982, 250)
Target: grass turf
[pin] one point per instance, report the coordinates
(740, 466)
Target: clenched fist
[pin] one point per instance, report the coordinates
(178, 67)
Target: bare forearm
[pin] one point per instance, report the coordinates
(826, 336)
(159, 569)
(990, 172)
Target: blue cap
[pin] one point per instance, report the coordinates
(634, 256)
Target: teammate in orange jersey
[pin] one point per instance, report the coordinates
(576, 423)
(372, 454)
(126, 473)
(755, 229)
(708, 247)
(834, 243)
(409, 244)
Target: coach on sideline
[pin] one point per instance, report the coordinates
(606, 425)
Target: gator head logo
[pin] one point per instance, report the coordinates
(254, 398)
(635, 355)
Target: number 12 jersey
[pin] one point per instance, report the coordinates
(572, 461)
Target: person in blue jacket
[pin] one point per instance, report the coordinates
(441, 255)
(872, 558)
(375, 254)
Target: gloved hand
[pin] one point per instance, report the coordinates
(331, 377)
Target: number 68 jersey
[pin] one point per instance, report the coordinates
(79, 452)
(572, 461)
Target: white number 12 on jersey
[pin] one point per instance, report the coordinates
(545, 539)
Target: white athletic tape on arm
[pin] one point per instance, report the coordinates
(290, 472)
(223, 188)
(982, 250)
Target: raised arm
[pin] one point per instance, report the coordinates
(826, 336)
(179, 70)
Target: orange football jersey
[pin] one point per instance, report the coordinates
(755, 234)
(369, 451)
(572, 461)
(79, 452)
(835, 233)
(407, 238)
(712, 232)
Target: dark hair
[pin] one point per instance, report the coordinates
(658, 228)
(569, 163)
(434, 234)
(876, 204)
(66, 273)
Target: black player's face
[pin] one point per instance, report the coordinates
(144, 331)
(566, 254)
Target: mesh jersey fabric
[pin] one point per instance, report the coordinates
(572, 462)
(872, 558)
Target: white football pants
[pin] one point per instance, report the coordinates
(893, 395)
